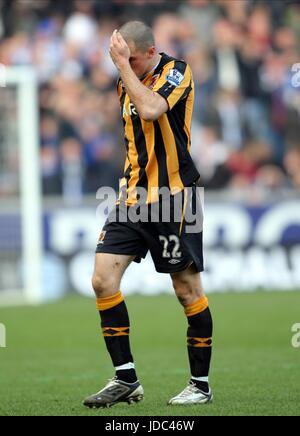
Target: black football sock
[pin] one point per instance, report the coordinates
(115, 326)
(199, 341)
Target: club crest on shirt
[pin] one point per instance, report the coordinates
(101, 238)
(174, 77)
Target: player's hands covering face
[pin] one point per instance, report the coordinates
(119, 50)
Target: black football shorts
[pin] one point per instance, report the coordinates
(175, 243)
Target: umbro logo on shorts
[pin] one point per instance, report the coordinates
(101, 238)
(174, 261)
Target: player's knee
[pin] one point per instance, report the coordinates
(183, 291)
(103, 285)
(186, 299)
(186, 291)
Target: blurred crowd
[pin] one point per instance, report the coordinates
(244, 56)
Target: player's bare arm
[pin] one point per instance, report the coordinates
(150, 105)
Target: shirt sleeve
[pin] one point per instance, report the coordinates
(175, 82)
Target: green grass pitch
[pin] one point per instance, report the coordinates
(55, 356)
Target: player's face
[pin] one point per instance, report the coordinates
(141, 62)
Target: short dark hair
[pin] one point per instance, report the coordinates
(139, 33)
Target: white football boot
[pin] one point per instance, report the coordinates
(192, 395)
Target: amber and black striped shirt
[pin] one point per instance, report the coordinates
(158, 153)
